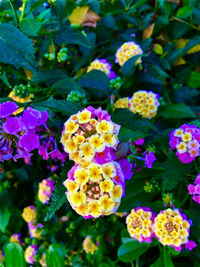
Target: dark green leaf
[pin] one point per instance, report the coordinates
(30, 26)
(184, 12)
(126, 134)
(176, 111)
(194, 79)
(164, 260)
(129, 66)
(131, 251)
(16, 48)
(96, 83)
(65, 86)
(4, 219)
(49, 76)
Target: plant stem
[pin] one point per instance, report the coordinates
(137, 262)
(196, 167)
(15, 13)
(23, 10)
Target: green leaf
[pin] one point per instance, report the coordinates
(129, 66)
(164, 260)
(4, 219)
(129, 120)
(55, 256)
(37, 4)
(96, 83)
(194, 79)
(57, 200)
(49, 77)
(131, 251)
(30, 26)
(184, 12)
(65, 86)
(176, 111)
(126, 134)
(67, 108)
(14, 255)
(16, 48)
(69, 35)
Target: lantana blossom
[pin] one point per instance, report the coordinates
(102, 65)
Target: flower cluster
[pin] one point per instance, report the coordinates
(96, 182)
(186, 142)
(29, 214)
(170, 227)
(16, 238)
(143, 102)
(140, 224)
(194, 189)
(126, 51)
(30, 253)
(21, 135)
(77, 96)
(89, 246)
(88, 133)
(46, 188)
(35, 230)
(95, 190)
(62, 54)
(103, 65)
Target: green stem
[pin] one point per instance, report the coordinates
(132, 264)
(196, 167)
(15, 13)
(23, 10)
(137, 262)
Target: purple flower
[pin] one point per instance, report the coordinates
(139, 142)
(12, 125)
(29, 141)
(190, 245)
(7, 108)
(56, 154)
(149, 159)
(33, 117)
(126, 167)
(191, 189)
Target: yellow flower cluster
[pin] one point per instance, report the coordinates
(89, 246)
(171, 229)
(98, 65)
(30, 253)
(42, 260)
(121, 103)
(93, 191)
(126, 51)
(140, 224)
(29, 214)
(83, 136)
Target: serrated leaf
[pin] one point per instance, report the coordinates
(69, 35)
(177, 111)
(65, 86)
(131, 251)
(129, 66)
(57, 200)
(96, 83)
(30, 26)
(16, 48)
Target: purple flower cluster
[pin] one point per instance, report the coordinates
(186, 142)
(19, 136)
(194, 189)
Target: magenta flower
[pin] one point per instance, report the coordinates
(190, 245)
(12, 125)
(7, 108)
(194, 189)
(33, 117)
(29, 141)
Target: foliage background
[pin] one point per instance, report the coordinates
(22, 48)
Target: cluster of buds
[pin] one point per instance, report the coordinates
(140, 224)
(88, 133)
(126, 51)
(143, 102)
(194, 189)
(95, 190)
(151, 187)
(89, 246)
(96, 182)
(46, 188)
(77, 96)
(62, 54)
(170, 227)
(186, 142)
(21, 135)
(30, 254)
(50, 56)
(102, 65)
(116, 83)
